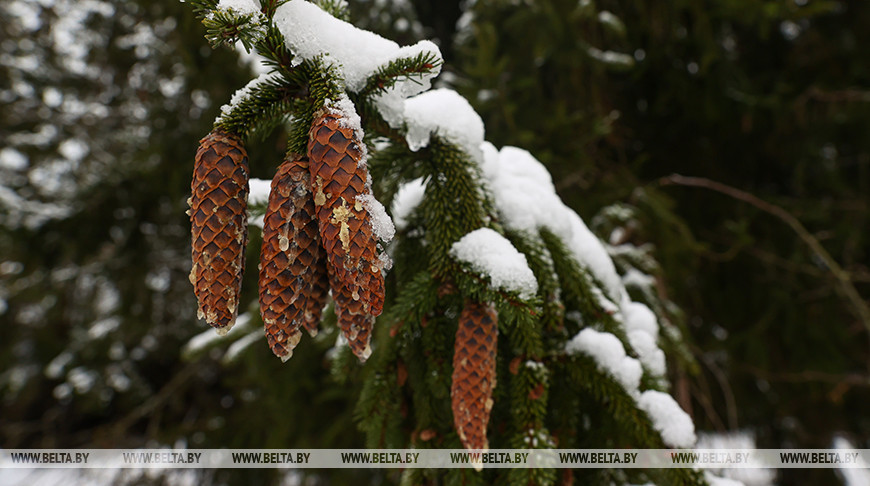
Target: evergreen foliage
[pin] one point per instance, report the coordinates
(405, 396)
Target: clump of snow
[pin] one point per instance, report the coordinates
(242, 7)
(526, 198)
(609, 355)
(12, 159)
(243, 93)
(443, 112)
(639, 317)
(652, 358)
(382, 225)
(259, 191)
(635, 278)
(408, 197)
(668, 418)
(642, 329)
(310, 32)
(491, 254)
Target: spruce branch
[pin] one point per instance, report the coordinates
(263, 108)
(226, 27)
(405, 68)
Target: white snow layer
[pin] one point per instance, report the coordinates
(357, 54)
(609, 355)
(526, 198)
(408, 197)
(382, 225)
(493, 255)
(242, 7)
(642, 329)
(243, 93)
(259, 191)
(445, 113)
(668, 418)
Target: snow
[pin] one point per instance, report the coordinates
(408, 197)
(208, 338)
(12, 159)
(492, 255)
(258, 193)
(243, 93)
(527, 201)
(609, 355)
(738, 440)
(714, 480)
(668, 418)
(857, 475)
(382, 225)
(349, 118)
(235, 350)
(444, 113)
(310, 32)
(241, 7)
(642, 329)
(635, 278)
(639, 317)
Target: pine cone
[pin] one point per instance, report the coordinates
(357, 328)
(292, 262)
(474, 373)
(338, 177)
(219, 227)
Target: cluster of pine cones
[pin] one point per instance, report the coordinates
(317, 236)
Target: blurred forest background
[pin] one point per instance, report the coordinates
(762, 255)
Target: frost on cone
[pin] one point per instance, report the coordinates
(292, 263)
(218, 220)
(474, 373)
(338, 176)
(356, 328)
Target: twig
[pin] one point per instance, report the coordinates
(859, 306)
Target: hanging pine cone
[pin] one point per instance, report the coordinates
(474, 373)
(338, 177)
(219, 227)
(292, 263)
(356, 328)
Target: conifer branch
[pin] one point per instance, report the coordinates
(410, 68)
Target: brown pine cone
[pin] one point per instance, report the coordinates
(338, 177)
(357, 328)
(219, 227)
(292, 262)
(474, 373)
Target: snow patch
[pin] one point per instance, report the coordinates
(258, 192)
(668, 418)
(243, 93)
(381, 223)
(491, 254)
(444, 113)
(408, 197)
(527, 201)
(609, 355)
